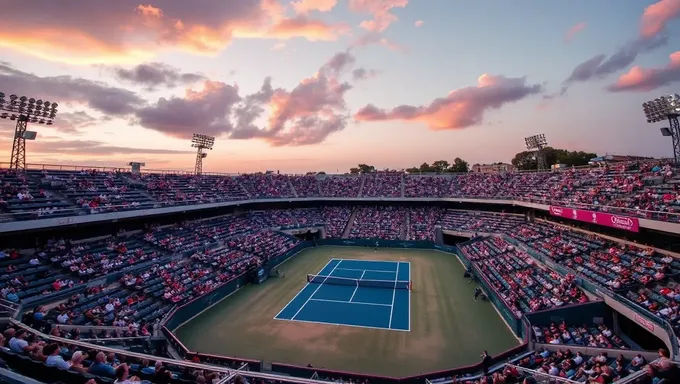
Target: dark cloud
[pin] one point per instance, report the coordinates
(363, 74)
(206, 111)
(73, 122)
(91, 147)
(601, 66)
(108, 100)
(307, 114)
(153, 75)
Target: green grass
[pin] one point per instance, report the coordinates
(448, 328)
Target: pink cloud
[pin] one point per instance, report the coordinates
(573, 31)
(656, 17)
(380, 9)
(371, 38)
(419, 23)
(123, 31)
(646, 79)
(461, 108)
(305, 6)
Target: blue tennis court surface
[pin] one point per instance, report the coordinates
(379, 299)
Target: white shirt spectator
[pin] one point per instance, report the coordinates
(34, 261)
(57, 361)
(109, 307)
(62, 319)
(17, 345)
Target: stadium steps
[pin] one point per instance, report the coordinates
(245, 190)
(403, 186)
(292, 188)
(350, 222)
(406, 229)
(361, 189)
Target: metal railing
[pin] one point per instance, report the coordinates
(541, 377)
(131, 356)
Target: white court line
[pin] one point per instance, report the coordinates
(409, 296)
(394, 293)
(301, 290)
(357, 287)
(316, 290)
(350, 302)
(344, 325)
(369, 270)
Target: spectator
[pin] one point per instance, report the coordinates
(18, 344)
(100, 368)
(54, 359)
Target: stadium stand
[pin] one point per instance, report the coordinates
(164, 266)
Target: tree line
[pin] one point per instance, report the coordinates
(525, 160)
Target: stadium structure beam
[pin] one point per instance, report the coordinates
(25, 110)
(537, 144)
(666, 108)
(201, 142)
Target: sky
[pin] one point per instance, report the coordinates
(322, 85)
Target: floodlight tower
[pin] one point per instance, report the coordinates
(538, 143)
(201, 142)
(666, 108)
(25, 110)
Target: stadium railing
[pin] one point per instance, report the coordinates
(171, 362)
(543, 377)
(670, 339)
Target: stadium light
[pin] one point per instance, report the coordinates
(536, 144)
(662, 108)
(25, 110)
(201, 142)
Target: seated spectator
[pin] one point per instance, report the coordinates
(100, 368)
(18, 344)
(54, 359)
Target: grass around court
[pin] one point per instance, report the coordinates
(448, 329)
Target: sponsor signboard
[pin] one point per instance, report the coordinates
(644, 322)
(606, 219)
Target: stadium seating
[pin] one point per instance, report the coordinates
(175, 263)
(642, 189)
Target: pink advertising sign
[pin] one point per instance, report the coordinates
(600, 218)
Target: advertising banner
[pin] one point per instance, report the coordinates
(600, 218)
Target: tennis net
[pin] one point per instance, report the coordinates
(334, 280)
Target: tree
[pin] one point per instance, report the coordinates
(362, 168)
(459, 165)
(526, 160)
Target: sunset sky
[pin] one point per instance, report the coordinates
(321, 85)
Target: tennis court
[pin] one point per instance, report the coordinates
(355, 293)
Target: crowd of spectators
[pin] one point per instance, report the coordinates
(593, 335)
(49, 361)
(383, 184)
(644, 189)
(379, 222)
(422, 222)
(523, 284)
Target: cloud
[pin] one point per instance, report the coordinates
(73, 122)
(642, 80)
(363, 74)
(305, 6)
(310, 29)
(125, 31)
(656, 17)
(111, 101)
(371, 38)
(153, 75)
(419, 23)
(380, 9)
(91, 147)
(600, 66)
(206, 111)
(461, 108)
(279, 46)
(573, 31)
(307, 114)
